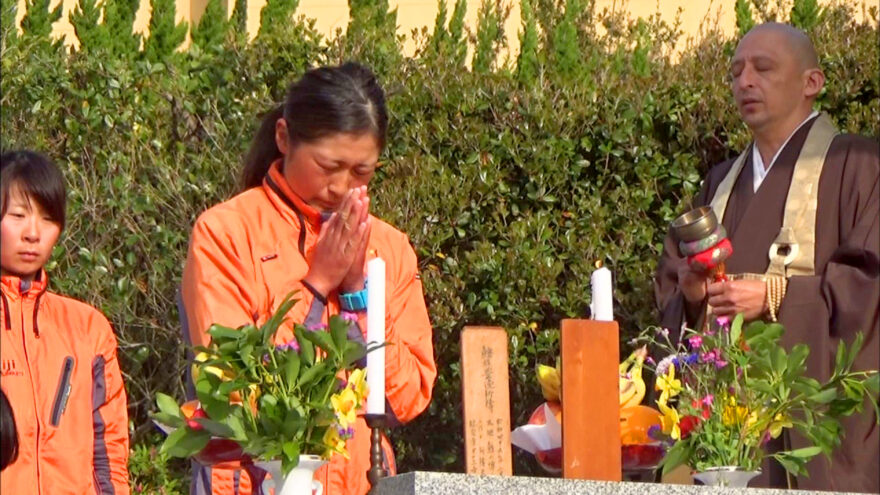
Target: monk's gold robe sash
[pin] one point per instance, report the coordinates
(794, 249)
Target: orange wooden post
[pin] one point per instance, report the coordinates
(486, 398)
(590, 400)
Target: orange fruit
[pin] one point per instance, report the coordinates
(635, 422)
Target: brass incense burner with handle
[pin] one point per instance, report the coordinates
(703, 240)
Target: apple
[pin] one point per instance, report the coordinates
(549, 460)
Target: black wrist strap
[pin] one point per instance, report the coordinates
(315, 292)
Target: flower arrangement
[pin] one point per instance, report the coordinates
(726, 392)
(260, 400)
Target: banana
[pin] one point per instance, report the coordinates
(631, 383)
(548, 377)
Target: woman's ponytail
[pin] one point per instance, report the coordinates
(263, 151)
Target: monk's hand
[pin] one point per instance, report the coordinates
(337, 246)
(692, 284)
(354, 279)
(748, 297)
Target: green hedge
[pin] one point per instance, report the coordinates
(512, 178)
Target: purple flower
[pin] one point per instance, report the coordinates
(316, 327)
(720, 363)
(723, 322)
(292, 345)
(349, 317)
(345, 433)
(695, 341)
(708, 400)
(650, 360)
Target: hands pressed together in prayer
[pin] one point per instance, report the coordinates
(340, 252)
(725, 298)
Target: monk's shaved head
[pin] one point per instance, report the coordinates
(798, 43)
(775, 78)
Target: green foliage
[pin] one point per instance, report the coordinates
(527, 61)
(8, 11)
(371, 36)
(567, 56)
(210, 31)
(239, 17)
(38, 19)
(440, 36)
(457, 47)
(490, 28)
(744, 20)
(508, 191)
(277, 14)
(805, 14)
(153, 472)
(166, 35)
(88, 30)
(119, 22)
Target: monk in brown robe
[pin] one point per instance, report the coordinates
(775, 77)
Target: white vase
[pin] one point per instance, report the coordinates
(299, 481)
(730, 476)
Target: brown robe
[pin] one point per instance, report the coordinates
(842, 298)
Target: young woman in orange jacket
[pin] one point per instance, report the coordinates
(58, 355)
(303, 223)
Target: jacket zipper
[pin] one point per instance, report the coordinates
(36, 308)
(7, 320)
(33, 395)
(301, 243)
(63, 392)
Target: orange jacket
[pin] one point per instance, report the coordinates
(248, 253)
(72, 439)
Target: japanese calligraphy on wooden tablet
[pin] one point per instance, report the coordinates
(486, 400)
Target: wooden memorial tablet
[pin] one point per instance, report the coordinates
(590, 400)
(486, 399)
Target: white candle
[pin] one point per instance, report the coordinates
(601, 305)
(376, 335)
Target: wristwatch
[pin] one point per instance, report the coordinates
(354, 301)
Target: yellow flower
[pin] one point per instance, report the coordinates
(345, 405)
(779, 422)
(335, 444)
(737, 415)
(203, 357)
(669, 421)
(357, 381)
(668, 384)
